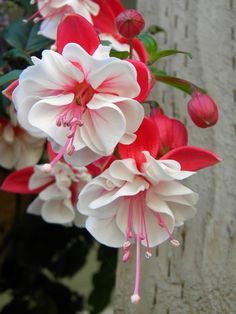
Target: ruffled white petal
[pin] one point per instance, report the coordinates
(105, 231)
(58, 211)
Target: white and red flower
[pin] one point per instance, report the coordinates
(83, 100)
(140, 198)
(52, 12)
(18, 148)
(57, 191)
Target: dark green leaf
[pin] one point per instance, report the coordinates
(9, 77)
(36, 42)
(17, 34)
(24, 37)
(119, 54)
(176, 82)
(150, 44)
(16, 53)
(154, 29)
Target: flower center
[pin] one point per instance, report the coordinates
(71, 118)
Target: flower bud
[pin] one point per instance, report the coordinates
(202, 110)
(129, 23)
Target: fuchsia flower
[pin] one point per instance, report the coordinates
(57, 191)
(19, 149)
(202, 110)
(52, 12)
(83, 100)
(140, 199)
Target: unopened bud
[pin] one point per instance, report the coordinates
(202, 110)
(129, 23)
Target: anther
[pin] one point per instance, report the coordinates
(126, 257)
(175, 242)
(126, 245)
(135, 298)
(36, 19)
(148, 254)
(46, 168)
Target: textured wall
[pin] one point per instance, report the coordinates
(200, 275)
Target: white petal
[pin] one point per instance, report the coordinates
(88, 195)
(127, 189)
(43, 115)
(105, 231)
(35, 207)
(157, 234)
(102, 52)
(76, 53)
(114, 76)
(82, 157)
(39, 178)
(58, 211)
(173, 188)
(124, 169)
(53, 192)
(157, 205)
(182, 212)
(104, 125)
(133, 112)
(48, 27)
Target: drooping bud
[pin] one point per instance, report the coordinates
(129, 23)
(202, 110)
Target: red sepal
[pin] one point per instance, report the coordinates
(10, 89)
(76, 29)
(104, 22)
(192, 158)
(143, 78)
(18, 181)
(147, 140)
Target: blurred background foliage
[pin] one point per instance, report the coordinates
(44, 268)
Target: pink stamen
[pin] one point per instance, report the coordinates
(129, 233)
(144, 224)
(163, 225)
(135, 297)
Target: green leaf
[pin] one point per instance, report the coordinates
(24, 37)
(119, 54)
(176, 82)
(9, 77)
(36, 42)
(150, 45)
(154, 29)
(170, 52)
(15, 53)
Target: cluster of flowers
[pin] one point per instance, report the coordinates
(113, 168)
